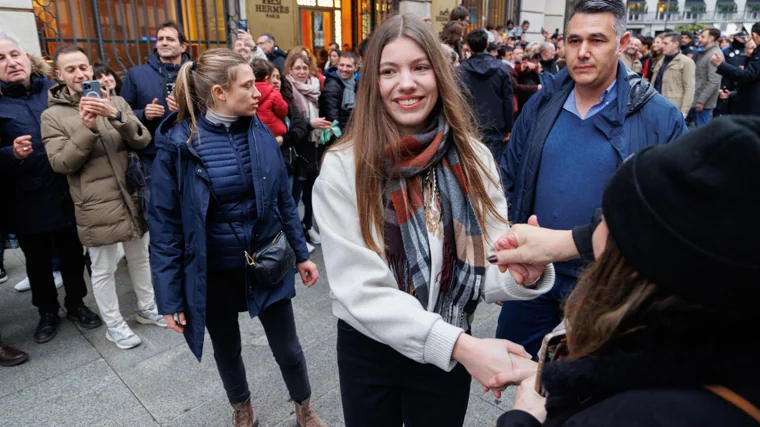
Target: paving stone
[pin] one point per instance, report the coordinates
(90, 395)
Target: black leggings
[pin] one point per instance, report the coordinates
(380, 387)
(280, 328)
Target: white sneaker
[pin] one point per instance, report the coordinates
(151, 317)
(309, 247)
(24, 285)
(122, 336)
(314, 236)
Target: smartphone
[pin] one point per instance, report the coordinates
(91, 88)
(242, 24)
(169, 89)
(553, 347)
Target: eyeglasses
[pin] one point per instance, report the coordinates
(300, 68)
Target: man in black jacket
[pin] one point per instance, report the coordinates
(275, 55)
(747, 99)
(338, 97)
(489, 84)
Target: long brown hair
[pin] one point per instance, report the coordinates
(371, 128)
(612, 300)
(214, 67)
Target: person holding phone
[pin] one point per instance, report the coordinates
(662, 326)
(87, 139)
(221, 193)
(245, 46)
(409, 204)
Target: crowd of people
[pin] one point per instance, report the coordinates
(424, 163)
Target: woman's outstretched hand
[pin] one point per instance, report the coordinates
(309, 272)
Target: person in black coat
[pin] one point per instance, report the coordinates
(747, 97)
(36, 201)
(335, 102)
(489, 85)
(661, 326)
(297, 137)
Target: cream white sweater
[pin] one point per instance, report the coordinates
(364, 291)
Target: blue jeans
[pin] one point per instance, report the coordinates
(702, 118)
(527, 322)
(495, 141)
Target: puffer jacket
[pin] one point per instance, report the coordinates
(179, 218)
(331, 99)
(96, 164)
(641, 118)
(678, 81)
(272, 108)
(35, 199)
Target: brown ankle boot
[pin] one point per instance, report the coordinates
(244, 415)
(306, 416)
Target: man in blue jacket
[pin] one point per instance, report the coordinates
(569, 140)
(148, 88)
(489, 85)
(37, 205)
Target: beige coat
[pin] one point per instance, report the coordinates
(632, 64)
(707, 79)
(96, 165)
(678, 81)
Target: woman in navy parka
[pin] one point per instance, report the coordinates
(220, 188)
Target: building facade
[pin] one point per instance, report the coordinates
(648, 17)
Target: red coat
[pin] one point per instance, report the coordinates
(272, 108)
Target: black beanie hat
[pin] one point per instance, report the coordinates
(686, 215)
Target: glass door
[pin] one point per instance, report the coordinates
(316, 29)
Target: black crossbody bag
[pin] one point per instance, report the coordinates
(268, 265)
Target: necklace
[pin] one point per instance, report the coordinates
(432, 204)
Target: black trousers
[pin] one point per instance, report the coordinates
(39, 250)
(304, 186)
(380, 387)
(279, 326)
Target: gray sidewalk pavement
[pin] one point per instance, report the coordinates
(81, 379)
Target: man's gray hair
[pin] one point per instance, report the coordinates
(270, 37)
(615, 7)
(10, 37)
(546, 46)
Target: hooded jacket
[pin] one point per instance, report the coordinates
(272, 108)
(95, 164)
(331, 99)
(178, 219)
(488, 83)
(640, 117)
(145, 83)
(35, 199)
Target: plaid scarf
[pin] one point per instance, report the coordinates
(424, 157)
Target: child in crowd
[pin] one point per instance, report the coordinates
(272, 107)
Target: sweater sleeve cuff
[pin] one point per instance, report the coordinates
(440, 345)
(517, 418)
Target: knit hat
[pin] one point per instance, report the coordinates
(687, 34)
(686, 215)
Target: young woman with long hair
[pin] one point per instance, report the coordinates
(220, 193)
(408, 203)
(299, 72)
(661, 327)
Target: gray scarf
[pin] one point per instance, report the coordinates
(349, 93)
